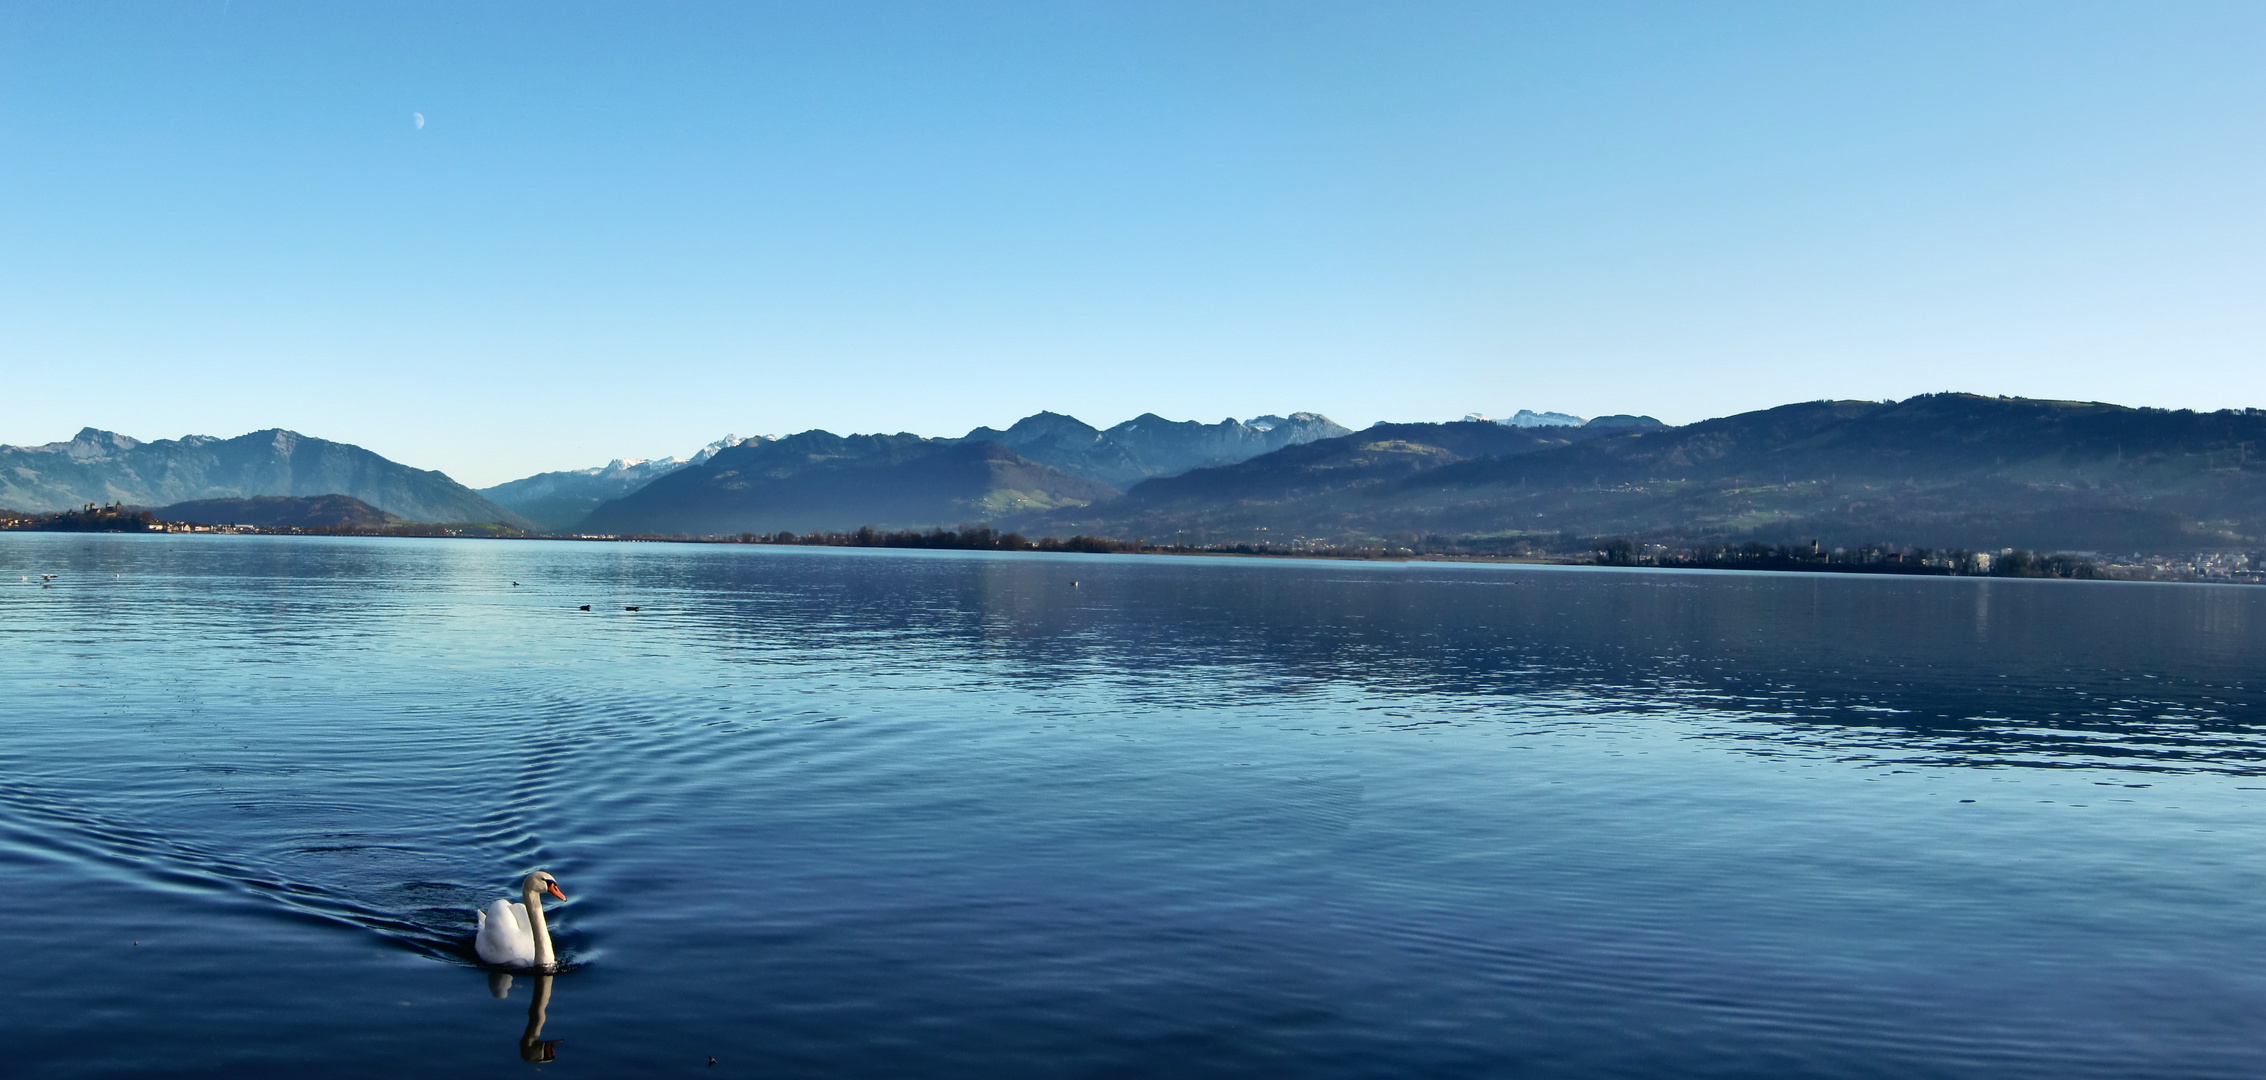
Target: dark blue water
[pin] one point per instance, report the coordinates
(854, 813)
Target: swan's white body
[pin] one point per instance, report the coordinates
(505, 936)
(516, 935)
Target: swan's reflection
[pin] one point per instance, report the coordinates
(533, 1047)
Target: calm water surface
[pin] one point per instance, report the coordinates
(859, 813)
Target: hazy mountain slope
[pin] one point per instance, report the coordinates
(100, 466)
(281, 511)
(554, 501)
(1252, 496)
(1150, 445)
(1068, 444)
(821, 481)
(1940, 470)
(1169, 448)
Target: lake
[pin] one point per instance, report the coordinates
(853, 813)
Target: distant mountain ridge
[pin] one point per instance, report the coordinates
(1243, 500)
(1076, 462)
(1530, 418)
(1150, 445)
(556, 501)
(1936, 470)
(817, 480)
(103, 467)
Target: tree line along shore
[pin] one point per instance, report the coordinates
(1613, 551)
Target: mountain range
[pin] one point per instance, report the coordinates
(557, 501)
(105, 467)
(820, 480)
(813, 480)
(1150, 445)
(1246, 500)
(1937, 470)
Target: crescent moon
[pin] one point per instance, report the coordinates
(420, 118)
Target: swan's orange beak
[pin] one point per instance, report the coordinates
(554, 887)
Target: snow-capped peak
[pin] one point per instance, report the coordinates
(1529, 418)
(711, 450)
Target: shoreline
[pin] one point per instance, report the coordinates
(943, 540)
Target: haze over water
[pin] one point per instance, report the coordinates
(866, 813)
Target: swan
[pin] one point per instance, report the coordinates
(515, 935)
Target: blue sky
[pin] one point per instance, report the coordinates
(627, 230)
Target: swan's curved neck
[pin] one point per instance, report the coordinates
(544, 957)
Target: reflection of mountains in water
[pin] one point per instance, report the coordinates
(1961, 671)
(464, 777)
